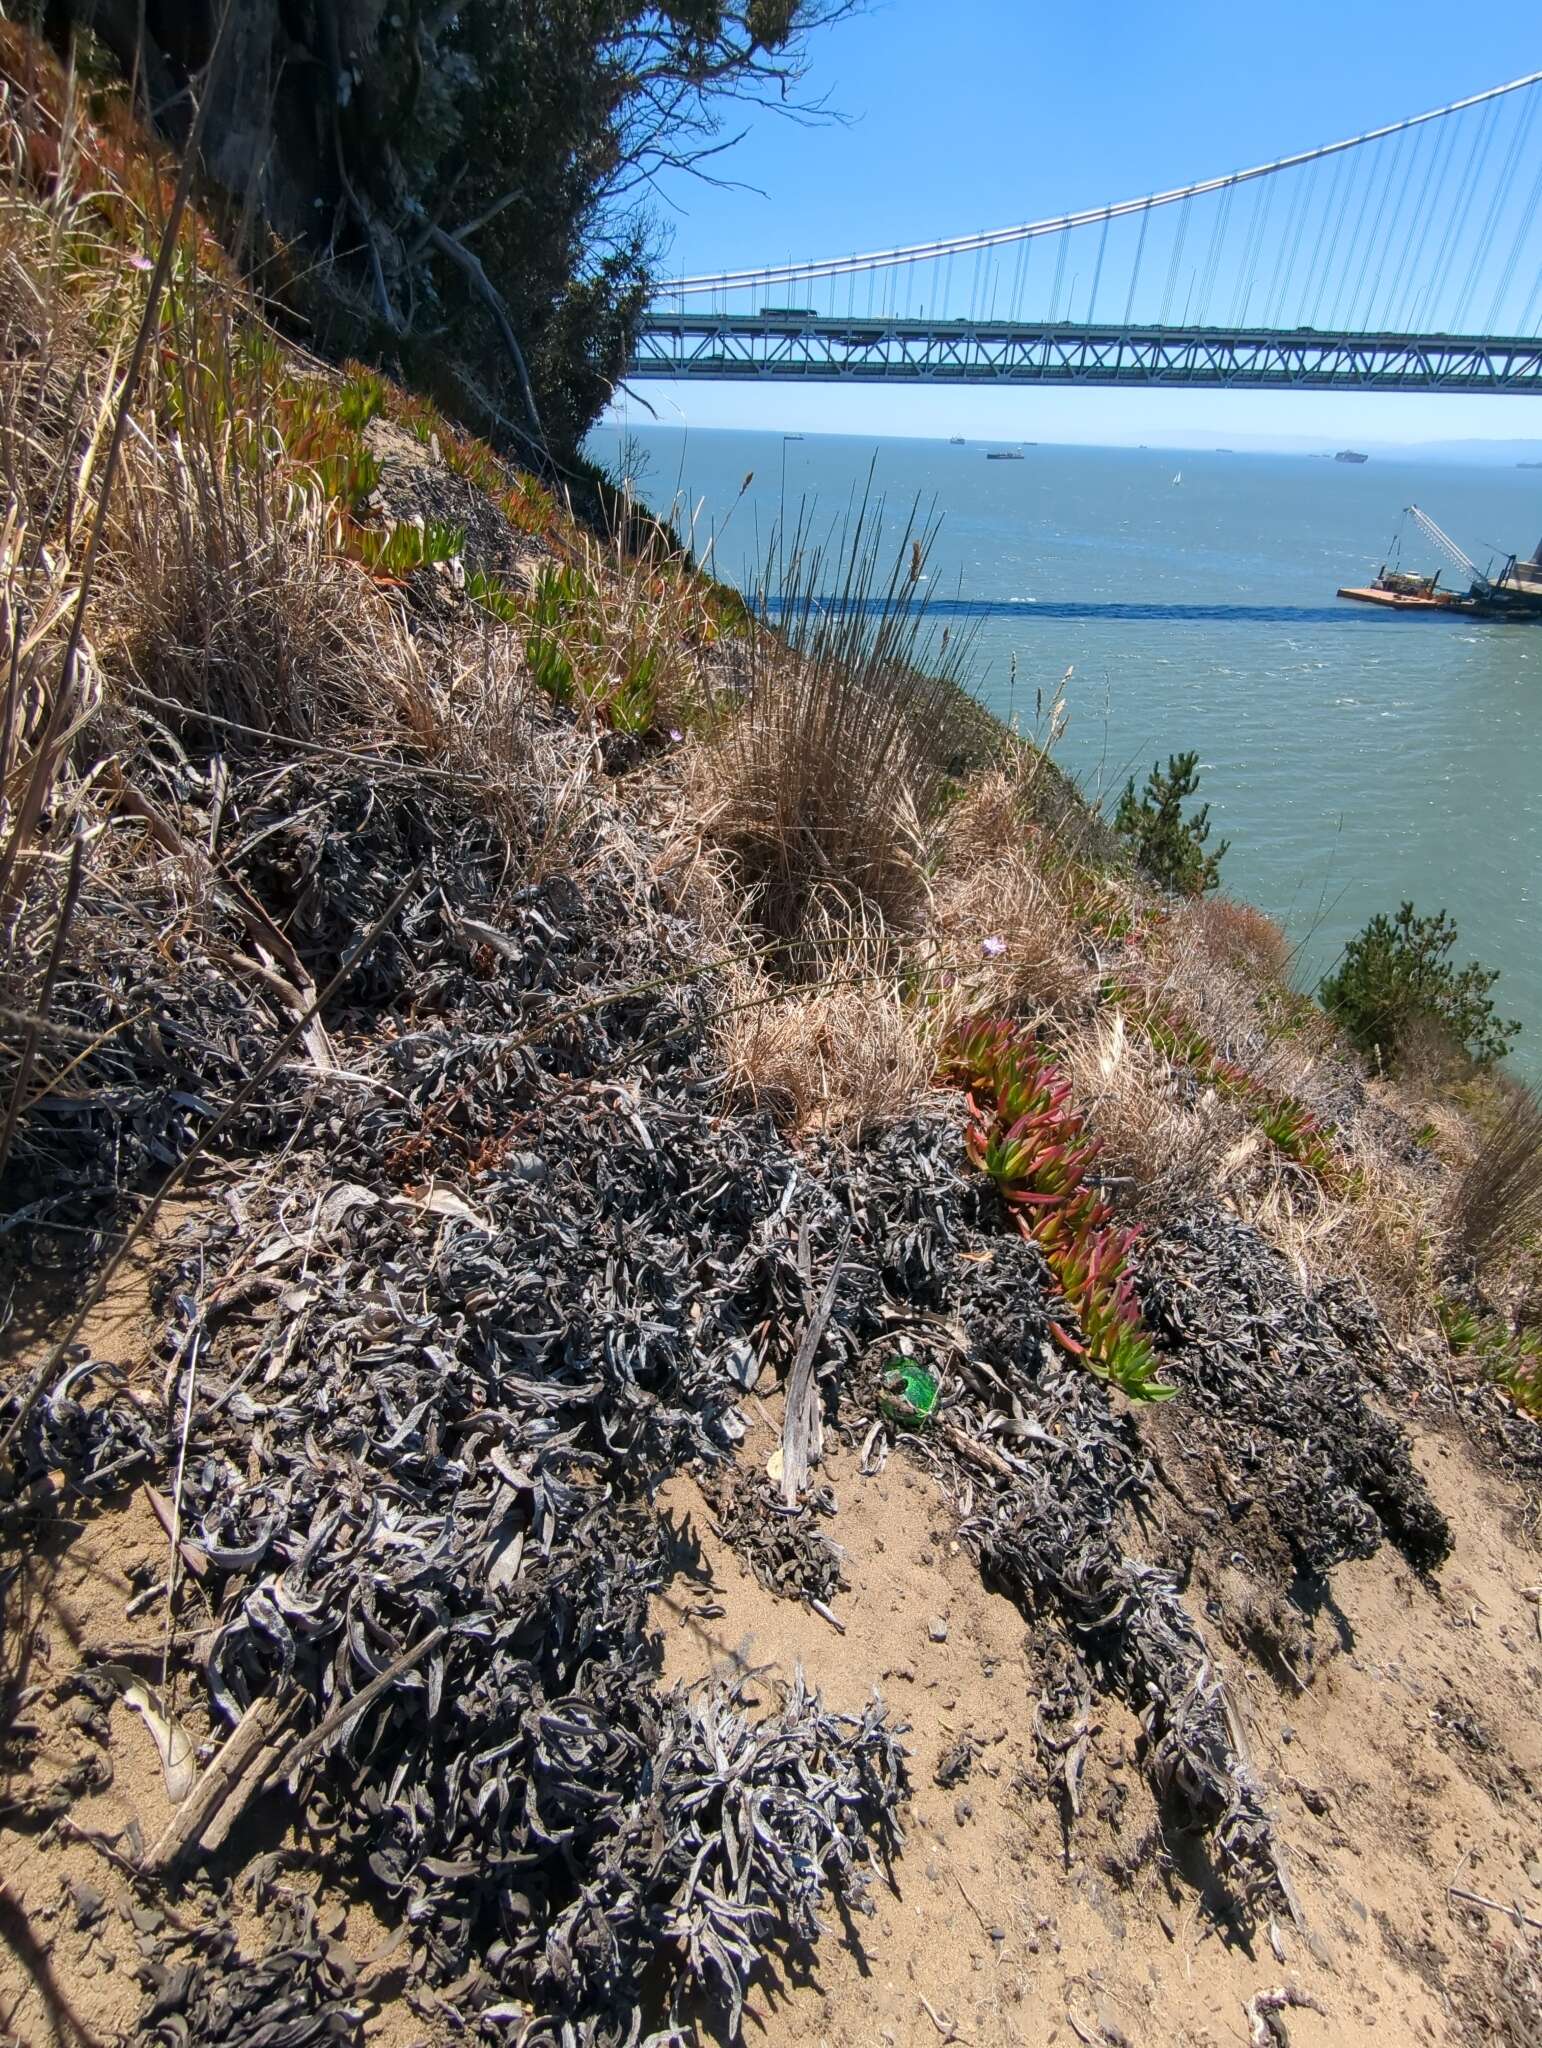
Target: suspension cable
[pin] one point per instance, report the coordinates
(1523, 229)
(1459, 205)
(1484, 240)
(1140, 250)
(920, 252)
(1412, 157)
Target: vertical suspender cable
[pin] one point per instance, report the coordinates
(1429, 199)
(1022, 271)
(1311, 296)
(1392, 235)
(1523, 229)
(1140, 250)
(1255, 244)
(1484, 241)
(1459, 204)
(1363, 272)
(1335, 243)
(1054, 297)
(1177, 258)
(1349, 276)
(1285, 254)
(1097, 274)
(1213, 255)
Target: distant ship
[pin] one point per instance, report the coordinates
(1350, 455)
(955, 440)
(1529, 465)
(1178, 479)
(1002, 455)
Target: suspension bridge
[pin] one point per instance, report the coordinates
(1408, 258)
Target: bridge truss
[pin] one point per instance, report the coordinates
(814, 349)
(1407, 258)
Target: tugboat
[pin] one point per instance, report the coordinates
(1515, 593)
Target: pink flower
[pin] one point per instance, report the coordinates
(140, 263)
(993, 947)
(676, 734)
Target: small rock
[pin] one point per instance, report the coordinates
(905, 1671)
(1287, 1733)
(963, 1811)
(1534, 1873)
(938, 1630)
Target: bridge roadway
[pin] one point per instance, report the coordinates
(811, 347)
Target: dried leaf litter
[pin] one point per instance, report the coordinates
(461, 1301)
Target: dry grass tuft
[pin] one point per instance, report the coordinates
(842, 1057)
(224, 610)
(821, 780)
(1496, 1204)
(1007, 934)
(1170, 1141)
(1236, 937)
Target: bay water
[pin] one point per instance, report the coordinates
(1353, 758)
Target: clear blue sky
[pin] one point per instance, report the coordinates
(983, 114)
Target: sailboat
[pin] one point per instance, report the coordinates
(1178, 479)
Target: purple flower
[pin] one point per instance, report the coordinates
(676, 734)
(993, 947)
(141, 263)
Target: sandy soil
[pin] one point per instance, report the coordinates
(1396, 1730)
(1411, 1760)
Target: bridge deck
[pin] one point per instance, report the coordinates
(808, 347)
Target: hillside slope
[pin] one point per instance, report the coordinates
(509, 1064)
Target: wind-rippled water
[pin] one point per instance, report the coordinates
(1352, 758)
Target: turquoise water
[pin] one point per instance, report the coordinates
(1352, 758)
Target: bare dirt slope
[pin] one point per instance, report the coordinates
(1411, 1761)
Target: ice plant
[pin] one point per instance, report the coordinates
(1024, 1133)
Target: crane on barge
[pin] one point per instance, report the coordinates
(1515, 593)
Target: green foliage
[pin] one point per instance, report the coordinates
(633, 705)
(1462, 1324)
(398, 550)
(1169, 847)
(494, 596)
(1517, 1367)
(485, 170)
(550, 668)
(348, 477)
(1397, 977)
(362, 397)
(1024, 1133)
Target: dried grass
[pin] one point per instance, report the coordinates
(1235, 937)
(1382, 1235)
(822, 778)
(1168, 1140)
(230, 606)
(842, 1057)
(1496, 1204)
(1007, 938)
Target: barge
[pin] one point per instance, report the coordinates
(1514, 593)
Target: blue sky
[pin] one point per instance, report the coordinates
(987, 113)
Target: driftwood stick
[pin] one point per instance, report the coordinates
(797, 1422)
(1514, 1913)
(229, 1781)
(350, 1709)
